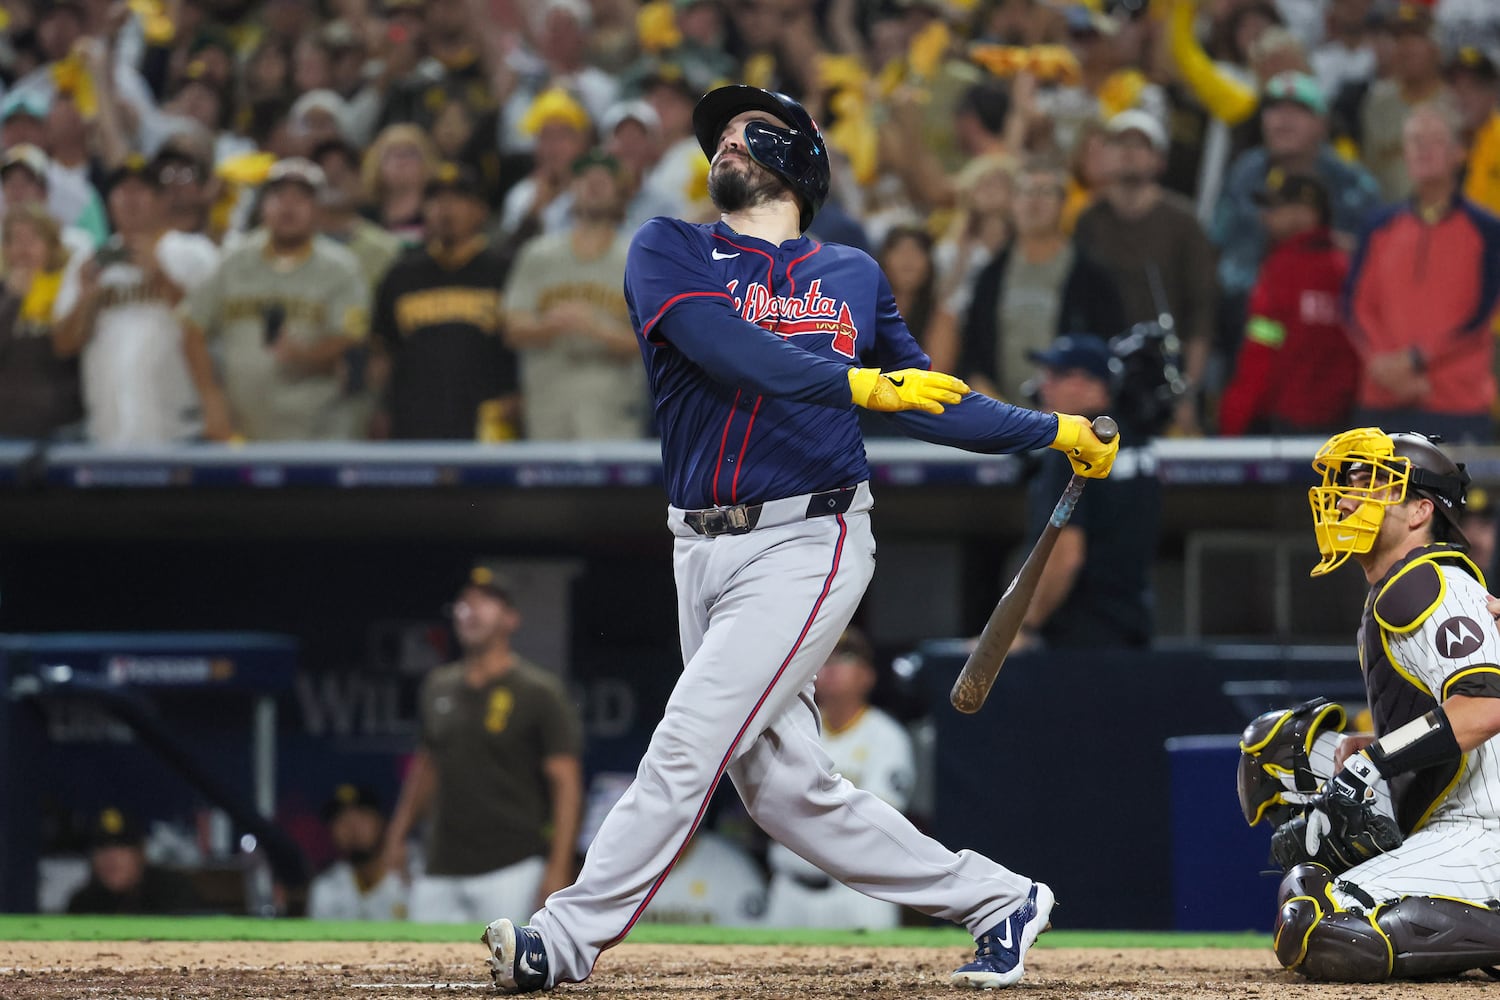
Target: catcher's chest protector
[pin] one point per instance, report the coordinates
(1396, 606)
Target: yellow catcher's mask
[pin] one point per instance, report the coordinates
(1376, 470)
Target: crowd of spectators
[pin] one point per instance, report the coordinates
(406, 219)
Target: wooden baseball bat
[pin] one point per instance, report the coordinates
(983, 665)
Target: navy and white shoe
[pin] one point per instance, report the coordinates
(518, 959)
(1000, 952)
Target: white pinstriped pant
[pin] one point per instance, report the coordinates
(1447, 857)
(758, 614)
(1454, 855)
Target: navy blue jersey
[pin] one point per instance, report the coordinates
(748, 346)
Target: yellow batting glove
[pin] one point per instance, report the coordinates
(1091, 457)
(907, 389)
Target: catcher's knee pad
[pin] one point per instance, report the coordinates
(1321, 941)
(1274, 757)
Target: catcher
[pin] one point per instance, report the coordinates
(1390, 840)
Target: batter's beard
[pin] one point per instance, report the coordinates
(736, 190)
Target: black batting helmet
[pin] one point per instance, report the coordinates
(796, 152)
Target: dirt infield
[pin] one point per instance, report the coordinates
(137, 970)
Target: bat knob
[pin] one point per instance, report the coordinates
(1105, 429)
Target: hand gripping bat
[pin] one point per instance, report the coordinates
(983, 665)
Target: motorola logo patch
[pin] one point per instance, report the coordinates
(1459, 636)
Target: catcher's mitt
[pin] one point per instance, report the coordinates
(1335, 831)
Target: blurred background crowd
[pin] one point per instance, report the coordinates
(407, 219)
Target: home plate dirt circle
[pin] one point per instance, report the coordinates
(147, 970)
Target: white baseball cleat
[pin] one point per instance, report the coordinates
(1000, 952)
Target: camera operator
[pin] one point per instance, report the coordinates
(1096, 589)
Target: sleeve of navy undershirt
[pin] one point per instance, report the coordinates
(980, 423)
(676, 299)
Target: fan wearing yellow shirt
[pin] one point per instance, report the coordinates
(1475, 83)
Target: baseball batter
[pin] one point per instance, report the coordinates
(1394, 863)
(759, 344)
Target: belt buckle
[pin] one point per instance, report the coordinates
(737, 518)
(725, 521)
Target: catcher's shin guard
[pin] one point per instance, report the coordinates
(1417, 936)
(1434, 936)
(1274, 758)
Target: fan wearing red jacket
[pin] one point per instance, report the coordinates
(1297, 370)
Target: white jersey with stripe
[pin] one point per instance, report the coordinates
(1458, 641)
(1447, 645)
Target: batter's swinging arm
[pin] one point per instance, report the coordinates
(983, 665)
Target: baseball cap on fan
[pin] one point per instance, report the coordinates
(1283, 188)
(459, 178)
(1296, 88)
(596, 158)
(29, 158)
(1075, 351)
(112, 827)
(555, 105)
(134, 165)
(296, 170)
(28, 103)
(489, 578)
(1146, 124)
(853, 642)
(1412, 17)
(1472, 61)
(350, 796)
(1479, 503)
(638, 111)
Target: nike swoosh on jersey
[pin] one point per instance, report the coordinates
(723, 256)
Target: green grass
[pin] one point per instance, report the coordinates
(57, 928)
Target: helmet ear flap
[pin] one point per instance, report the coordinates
(786, 153)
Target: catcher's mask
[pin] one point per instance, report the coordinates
(1379, 470)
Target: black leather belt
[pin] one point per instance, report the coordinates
(742, 518)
